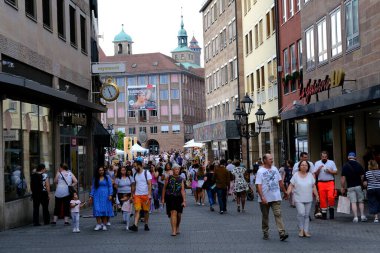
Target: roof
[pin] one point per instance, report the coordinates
(149, 63)
(193, 40)
(122, 36)
(205, 4)
(188, 65)
(182, 49)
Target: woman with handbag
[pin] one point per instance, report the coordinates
(64, 180)
(101, 198)
(372, 182)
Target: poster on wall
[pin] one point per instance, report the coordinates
(142, 98)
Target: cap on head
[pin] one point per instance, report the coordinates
(351, 155)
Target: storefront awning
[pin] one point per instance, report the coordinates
(101, 135)
(19, 88)
(216, 131)
(358, 97)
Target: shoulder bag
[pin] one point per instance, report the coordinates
(70, 187)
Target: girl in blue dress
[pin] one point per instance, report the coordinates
(101, 197)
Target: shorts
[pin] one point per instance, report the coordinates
(355, 194)
(141, 202)
(173, 203)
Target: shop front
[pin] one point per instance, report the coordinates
(41, 125)
(221, 138)
(341, 123)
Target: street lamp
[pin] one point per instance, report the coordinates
(241, 118)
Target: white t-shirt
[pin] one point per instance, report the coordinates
(76, 208)
(269, 180)
(324, 176)
(230, 167)
(303, 187)
(141, 183)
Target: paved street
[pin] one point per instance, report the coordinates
(201, 231)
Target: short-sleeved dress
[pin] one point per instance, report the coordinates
(240, 184)
(102, 206)
(173, 195)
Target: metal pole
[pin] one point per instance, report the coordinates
(247, 138)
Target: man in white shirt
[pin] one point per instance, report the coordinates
(324, 171)
(269, 183)
(141, 194)
(304, 156)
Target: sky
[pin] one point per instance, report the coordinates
(152, 24)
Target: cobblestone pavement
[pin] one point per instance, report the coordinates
(201, 231)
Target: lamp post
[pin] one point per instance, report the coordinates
(241, 118)
(113, 141)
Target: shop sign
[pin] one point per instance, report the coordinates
(266, 127)
(11, 135)
(316, 86)
(215, 145)
(223, 145)
(73, 142)
(79, 120)
(104, 68)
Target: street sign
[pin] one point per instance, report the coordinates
(104, 68)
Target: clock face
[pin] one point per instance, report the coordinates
(109, 92)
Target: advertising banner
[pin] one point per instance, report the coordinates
(142, 98)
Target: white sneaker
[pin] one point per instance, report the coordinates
(74, 230)
(78, 231)
(126, 228)
(98, 227)
(108, 224)
(363, 218)
(355, 220)
(104, 228)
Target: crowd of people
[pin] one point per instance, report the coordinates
(148, 184)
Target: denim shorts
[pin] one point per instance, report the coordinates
(355, 194)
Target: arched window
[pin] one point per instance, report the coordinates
(129, 49)
(119, 48)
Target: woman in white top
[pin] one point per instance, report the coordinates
(63, 179)
(303, 186)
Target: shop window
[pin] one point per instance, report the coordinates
(350, 135)
(27, 143)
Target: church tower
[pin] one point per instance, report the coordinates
(122, 43)
(197, 51)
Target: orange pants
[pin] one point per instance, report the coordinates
(326, 194)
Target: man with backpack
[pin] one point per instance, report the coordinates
(141, 194)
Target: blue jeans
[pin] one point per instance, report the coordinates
(222, 199)
(210, 195)
(75, 219)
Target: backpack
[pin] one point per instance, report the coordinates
(145, 174)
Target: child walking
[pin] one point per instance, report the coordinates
(126, 208)
(75, 205)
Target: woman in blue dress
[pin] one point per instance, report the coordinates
(101, 197)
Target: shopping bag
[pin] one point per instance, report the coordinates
(344, 205)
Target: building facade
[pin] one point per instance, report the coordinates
(173, 91)
(47, 111)
(221, 57)
(338, 95)
(260, 73)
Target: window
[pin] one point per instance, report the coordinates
(110, 113)
(120, 112)
(164, 129)
(322, 41)
(174, 78)
(142, 115)
(234, 29)
(153, 79)
(46, 13)
(293, 65)
(164, 110)
(286, 62)
(61, 18)
(132, 131)
(273, 19)
(83, 33)
(141, 80)
(153, 113)
(230, 33)
(268, 25)
(176, 129)
(131, 81)
(336, 35)
(164, 94)
(352, 24)
(250, 41)
(262, 76)
(261, 34)
(121, 129)
(175, 110)
(246, 44)
(30, 8)
(73, 35)
(121, 97)
(164, 79)
(299, 44)
(142, 129)
(274, 64)
(284, 11)
(153, 129)
(310, 60)
(258, 80)
(12, 106)
(256, 36)
(291, 8)
(131, 114)
(14, 2)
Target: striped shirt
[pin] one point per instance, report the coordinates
(373, 179)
